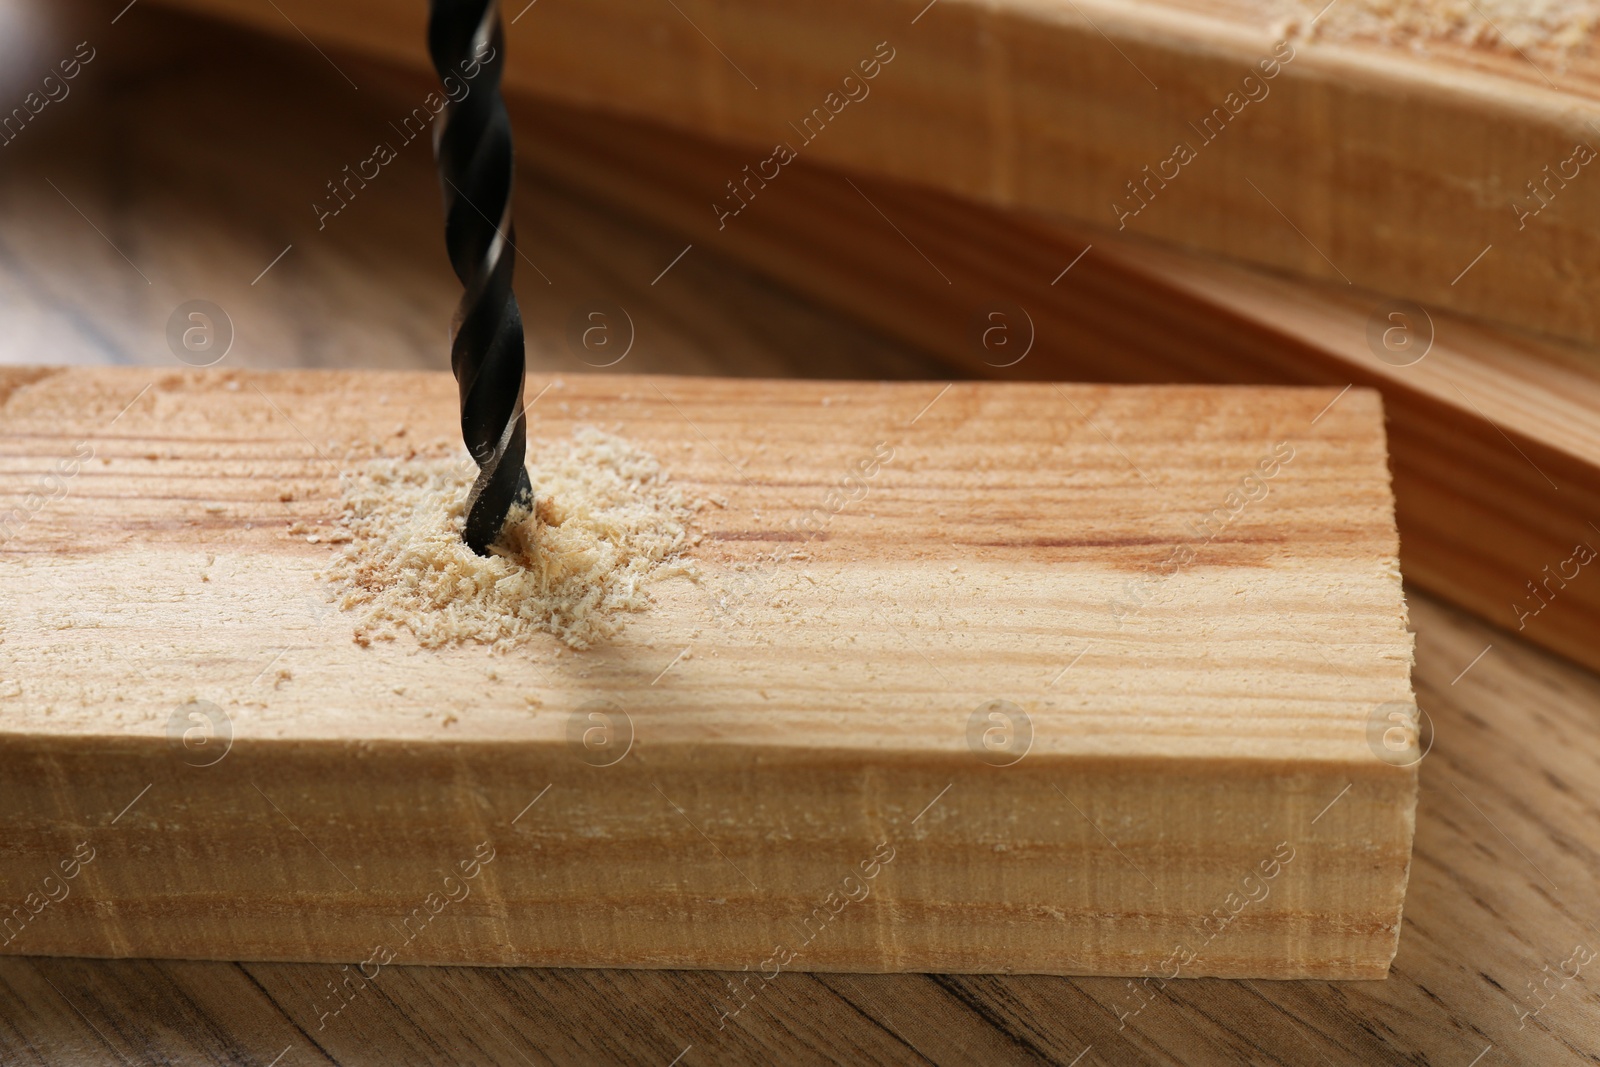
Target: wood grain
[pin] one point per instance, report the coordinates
(1494, 436)
(1520, 727)
(1215, 567)
(1371, 163)
(1502, 800)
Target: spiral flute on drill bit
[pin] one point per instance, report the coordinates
(472, 146)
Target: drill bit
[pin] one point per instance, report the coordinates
(472, 147)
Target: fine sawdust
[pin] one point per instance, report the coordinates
(605, 524)
(1552, 27)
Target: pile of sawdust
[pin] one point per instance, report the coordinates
(605, 523)
(1552, 27)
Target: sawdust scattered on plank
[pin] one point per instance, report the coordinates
(605, 524)
(1551, 27)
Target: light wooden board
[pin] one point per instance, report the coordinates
(1373, 163)
(1501, 815)
(1189, 719)
(1494, 436)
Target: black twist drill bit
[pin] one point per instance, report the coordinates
(472, 146)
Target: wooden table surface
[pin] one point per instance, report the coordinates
(186, 160)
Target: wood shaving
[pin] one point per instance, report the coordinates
(1549, 26)
(605, 524)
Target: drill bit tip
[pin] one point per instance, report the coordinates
(472, 148)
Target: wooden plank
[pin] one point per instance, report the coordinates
(1494, 436)
(1192, 719)
(1481, 923)
(1372, 162)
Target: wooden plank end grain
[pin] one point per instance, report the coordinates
(1072, 679)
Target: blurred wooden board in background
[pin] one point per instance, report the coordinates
(1416, 171)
